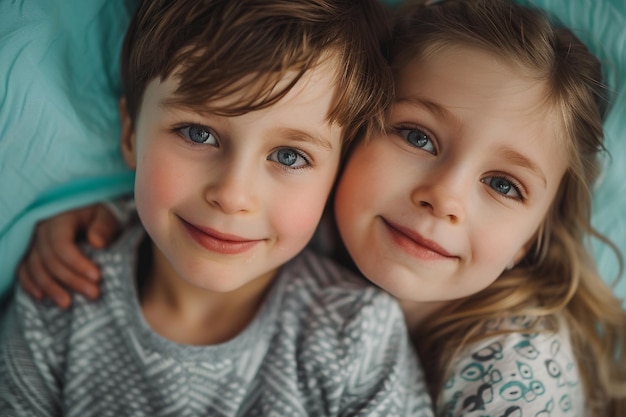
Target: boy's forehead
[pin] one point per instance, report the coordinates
(301, 114)
(318, 84)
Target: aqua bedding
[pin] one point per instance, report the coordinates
(59, 124)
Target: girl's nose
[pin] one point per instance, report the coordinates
(443, 197)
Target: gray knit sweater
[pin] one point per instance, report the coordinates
(323, 344)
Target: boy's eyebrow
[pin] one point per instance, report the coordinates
(304, 136)
(294, 134)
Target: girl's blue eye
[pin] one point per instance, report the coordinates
(503, 186)
(288, 157)
(198, 134)
(419, 139)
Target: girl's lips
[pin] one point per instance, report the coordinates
(219, 242)
(416, 245)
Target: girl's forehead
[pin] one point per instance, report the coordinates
(462, 76)
(469, 97)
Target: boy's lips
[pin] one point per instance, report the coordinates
(219, 242)
(415, 244)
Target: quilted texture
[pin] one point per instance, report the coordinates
(59, 125)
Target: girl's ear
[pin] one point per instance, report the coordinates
(537, 239)
(127, 136)
(520, 255)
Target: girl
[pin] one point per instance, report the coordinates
(474, 211)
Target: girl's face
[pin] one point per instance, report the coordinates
(438, 207)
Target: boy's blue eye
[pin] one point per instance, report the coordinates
(503, 186)
(419, 139)
(198, 134)
(288, 157)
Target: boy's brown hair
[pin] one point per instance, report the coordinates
(219, 47)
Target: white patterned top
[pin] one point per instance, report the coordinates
(515, 375)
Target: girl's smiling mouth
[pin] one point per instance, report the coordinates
(415, 244)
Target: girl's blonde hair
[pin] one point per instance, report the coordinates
(558, 277)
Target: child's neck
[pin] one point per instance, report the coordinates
(416, 312)
(187, 314)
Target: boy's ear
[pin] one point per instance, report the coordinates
(127, 136)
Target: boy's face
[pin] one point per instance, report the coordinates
(228, 200)
(436, 209)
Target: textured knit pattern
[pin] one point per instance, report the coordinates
(323, 344)
(521, 375)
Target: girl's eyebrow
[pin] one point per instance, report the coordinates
(516, 158)
(433, 107)
(440, 112)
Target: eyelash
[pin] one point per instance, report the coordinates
(519, 189)
(180, 128)
(410, 127)
(301, 154)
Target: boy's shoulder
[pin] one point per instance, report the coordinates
(349, 338)
(310, 265)
(322, 296)
(320, 276)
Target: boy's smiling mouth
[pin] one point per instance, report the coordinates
(219, 242)
(415, 244)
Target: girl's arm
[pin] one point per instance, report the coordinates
(54, 265)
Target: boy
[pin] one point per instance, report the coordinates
(234, 117)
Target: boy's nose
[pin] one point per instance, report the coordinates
(443, 197)
(232, 190)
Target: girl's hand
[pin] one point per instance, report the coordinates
(54, 264)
